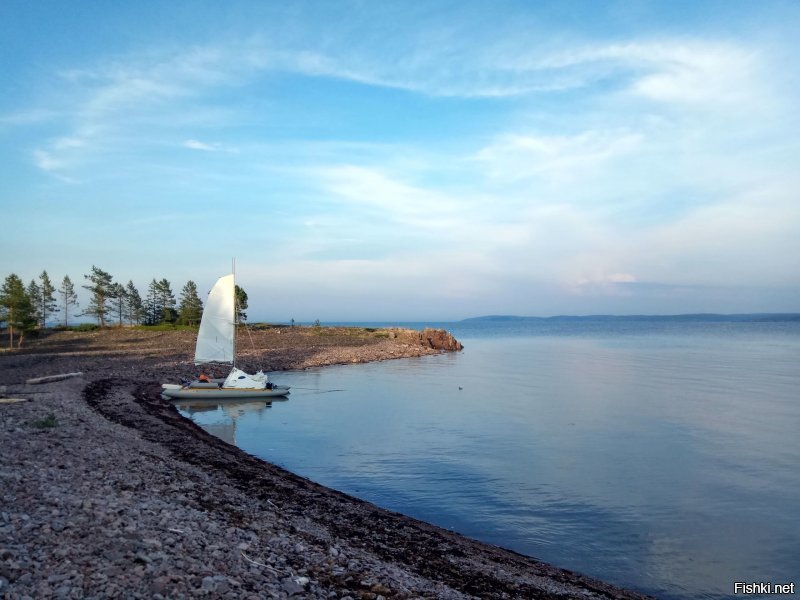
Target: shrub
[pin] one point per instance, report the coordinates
(46, 422)
(84, 327)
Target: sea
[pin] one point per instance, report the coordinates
(659, 454)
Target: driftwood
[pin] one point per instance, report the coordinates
(51, 378)
(12, 400)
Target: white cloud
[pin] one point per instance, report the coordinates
(514, 156)
(686, 71)
(198, 145)
(46, 162)
(170, 85)
(398, 201)
(640, 179)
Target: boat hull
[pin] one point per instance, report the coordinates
(186, 393)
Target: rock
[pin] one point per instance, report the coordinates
(291, 587)
(209, 583)
(380, 589)
(439, 339)
(160, 585)
(435, 339)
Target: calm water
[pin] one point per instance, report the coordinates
(659, 456)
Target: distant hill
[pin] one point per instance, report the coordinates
(702, 318)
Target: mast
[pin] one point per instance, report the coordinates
(235, 309)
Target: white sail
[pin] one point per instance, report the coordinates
(217, 336)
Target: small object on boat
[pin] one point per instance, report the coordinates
(216, 343)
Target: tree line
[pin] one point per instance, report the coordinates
(26, 308)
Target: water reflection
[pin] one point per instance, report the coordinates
(220, 417)
(666, 464)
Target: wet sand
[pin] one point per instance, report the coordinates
(107, 491)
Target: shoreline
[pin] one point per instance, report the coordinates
(127, 497)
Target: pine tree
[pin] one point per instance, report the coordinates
(241, 304)
(133, 304)
(154, 306)
(153, 309)
(191, 307)
(118, 293)
(46, 302)
(68, 297)
(34, 293)
(101, 290)
(169, 314)
(16, 309)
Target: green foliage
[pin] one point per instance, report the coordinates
(241, 304)
(166, 327)
(160, 303)
(120, 297)
(46, 301)
(101, 289)
(34, 291)
(16, 309)
(68, 297)
(190, 310)
(46, 422)
(168, 312)
(24, 307)
(153, 308)
(133, 304)
(264, 326)
(84, 327)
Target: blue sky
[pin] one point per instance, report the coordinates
(428, 160)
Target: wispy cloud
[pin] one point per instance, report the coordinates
(198, 145)
(488, 159)
(193, 144)
(514, 156)
(46, 162)
(681, 70)
(124, 90)
(402, 203)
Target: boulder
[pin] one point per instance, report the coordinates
(439, 339)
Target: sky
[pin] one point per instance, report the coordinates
(409, 160)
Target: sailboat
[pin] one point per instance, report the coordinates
(216, 343)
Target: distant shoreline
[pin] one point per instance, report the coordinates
(689, 317)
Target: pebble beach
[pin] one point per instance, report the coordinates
(106, 491)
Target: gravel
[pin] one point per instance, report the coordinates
(106, 491)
